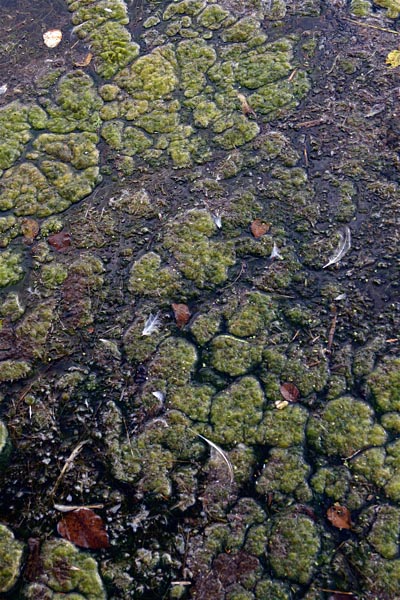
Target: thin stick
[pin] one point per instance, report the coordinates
(67, 464)
(336, 591)
(332, 329)
(371, 26)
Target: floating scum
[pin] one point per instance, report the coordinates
(171, 307)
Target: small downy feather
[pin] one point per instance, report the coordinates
(220, 452)
(152, 324)
(342, 249)
(276, 253)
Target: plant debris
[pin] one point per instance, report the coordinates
(52, 38)
(84, 528)
(60, 241)
(29, 229)
(85, 62)
(290, 392)
(259, 228)
(181, 313)
(343, 247)
(339, 516)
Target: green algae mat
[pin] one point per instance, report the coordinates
(199, 300)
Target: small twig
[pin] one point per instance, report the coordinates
(371, 26)
(67, 464)
(332, 329)
(336, 591)
(352, 455)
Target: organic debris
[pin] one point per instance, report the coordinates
(68, 463)
(290, 392)
(339, 516)
(259, 228)
(85, 62)
(84, 528)
(245, 106)
(342, 249)
(332, 329)
(152, 324)
(181, 313)
(29, 229)
(276, 253)
(52, 37)
(60, 241)
(219, 451)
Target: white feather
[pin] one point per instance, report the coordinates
(276, 253)
(220, 452)
(343, 247)
(152, 324)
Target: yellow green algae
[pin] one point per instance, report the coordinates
(11, 559)
(80, 577)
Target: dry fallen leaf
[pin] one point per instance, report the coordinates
(182, 313)
(60, 241)
(246, 108)
(52, 37)
(84, 528)
(259, 228)
(289, 391)
(29, 229)
(85, 62)
(339, 516)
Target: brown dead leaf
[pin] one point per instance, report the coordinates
(85, 62)
(84, 528)
(29, 229)
(339, 516)
(259, 228)
(290, 392)
(60, 241)
(181, 313)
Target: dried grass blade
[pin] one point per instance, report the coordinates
(343, 247)
(219, 451)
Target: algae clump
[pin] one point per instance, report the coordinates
(10, 268)
(11, 555)
(345, 426)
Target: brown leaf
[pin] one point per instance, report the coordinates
(339, 516)
(342, 596)
(60, 241)
(84, 528)
(85, 62)
(182, 313)
(259, 228)
(289, 391)
(29, 229)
